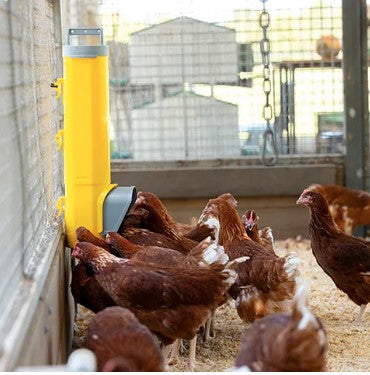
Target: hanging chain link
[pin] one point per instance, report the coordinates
(265, 46)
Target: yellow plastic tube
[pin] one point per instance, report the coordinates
(85, 136)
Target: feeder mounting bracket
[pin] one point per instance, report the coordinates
(57, 86)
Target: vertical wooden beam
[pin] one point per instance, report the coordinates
(355, 83)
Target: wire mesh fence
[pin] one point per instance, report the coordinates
(188, 83)
(30, 172)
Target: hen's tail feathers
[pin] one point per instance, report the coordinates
(233, 264)
(301, 311)
(214, 254)
(300, 298)
(266, 234)
(213, 223)
(291, 265)
(197, 251)
(230, 270)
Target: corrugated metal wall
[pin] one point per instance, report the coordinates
(30, 167)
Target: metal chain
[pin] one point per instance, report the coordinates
(267, 113)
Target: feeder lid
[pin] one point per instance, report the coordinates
(81, 51)
(116, 205)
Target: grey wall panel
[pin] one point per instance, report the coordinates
(242, 181)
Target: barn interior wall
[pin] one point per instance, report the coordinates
(272, 192)
(39, 323)
(49, 333)
(35, 317)
(275, 212)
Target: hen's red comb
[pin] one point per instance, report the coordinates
(251, 215)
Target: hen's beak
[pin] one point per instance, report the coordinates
(301, 200)
(139, 200)
(76, 253)
(247, 223)
(107, 239)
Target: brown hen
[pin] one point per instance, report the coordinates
(121, 343)
(344, 258)
(135, 218)
(349, 207)
(154, 254)
(145, 237)
(265, 283)
(171, 301)
(85, 288)
(159, 219)
(284, 342)
(87, 291)
(155, 208)
(149, 254)
(159, 222)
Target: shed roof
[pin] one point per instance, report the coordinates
(186, 94)
(190, 19)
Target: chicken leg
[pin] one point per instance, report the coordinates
(175, 349)
(209, 331)
(213, 329)
(166, 351)
(192, 349)
(362, 310)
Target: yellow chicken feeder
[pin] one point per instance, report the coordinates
(90, 200)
